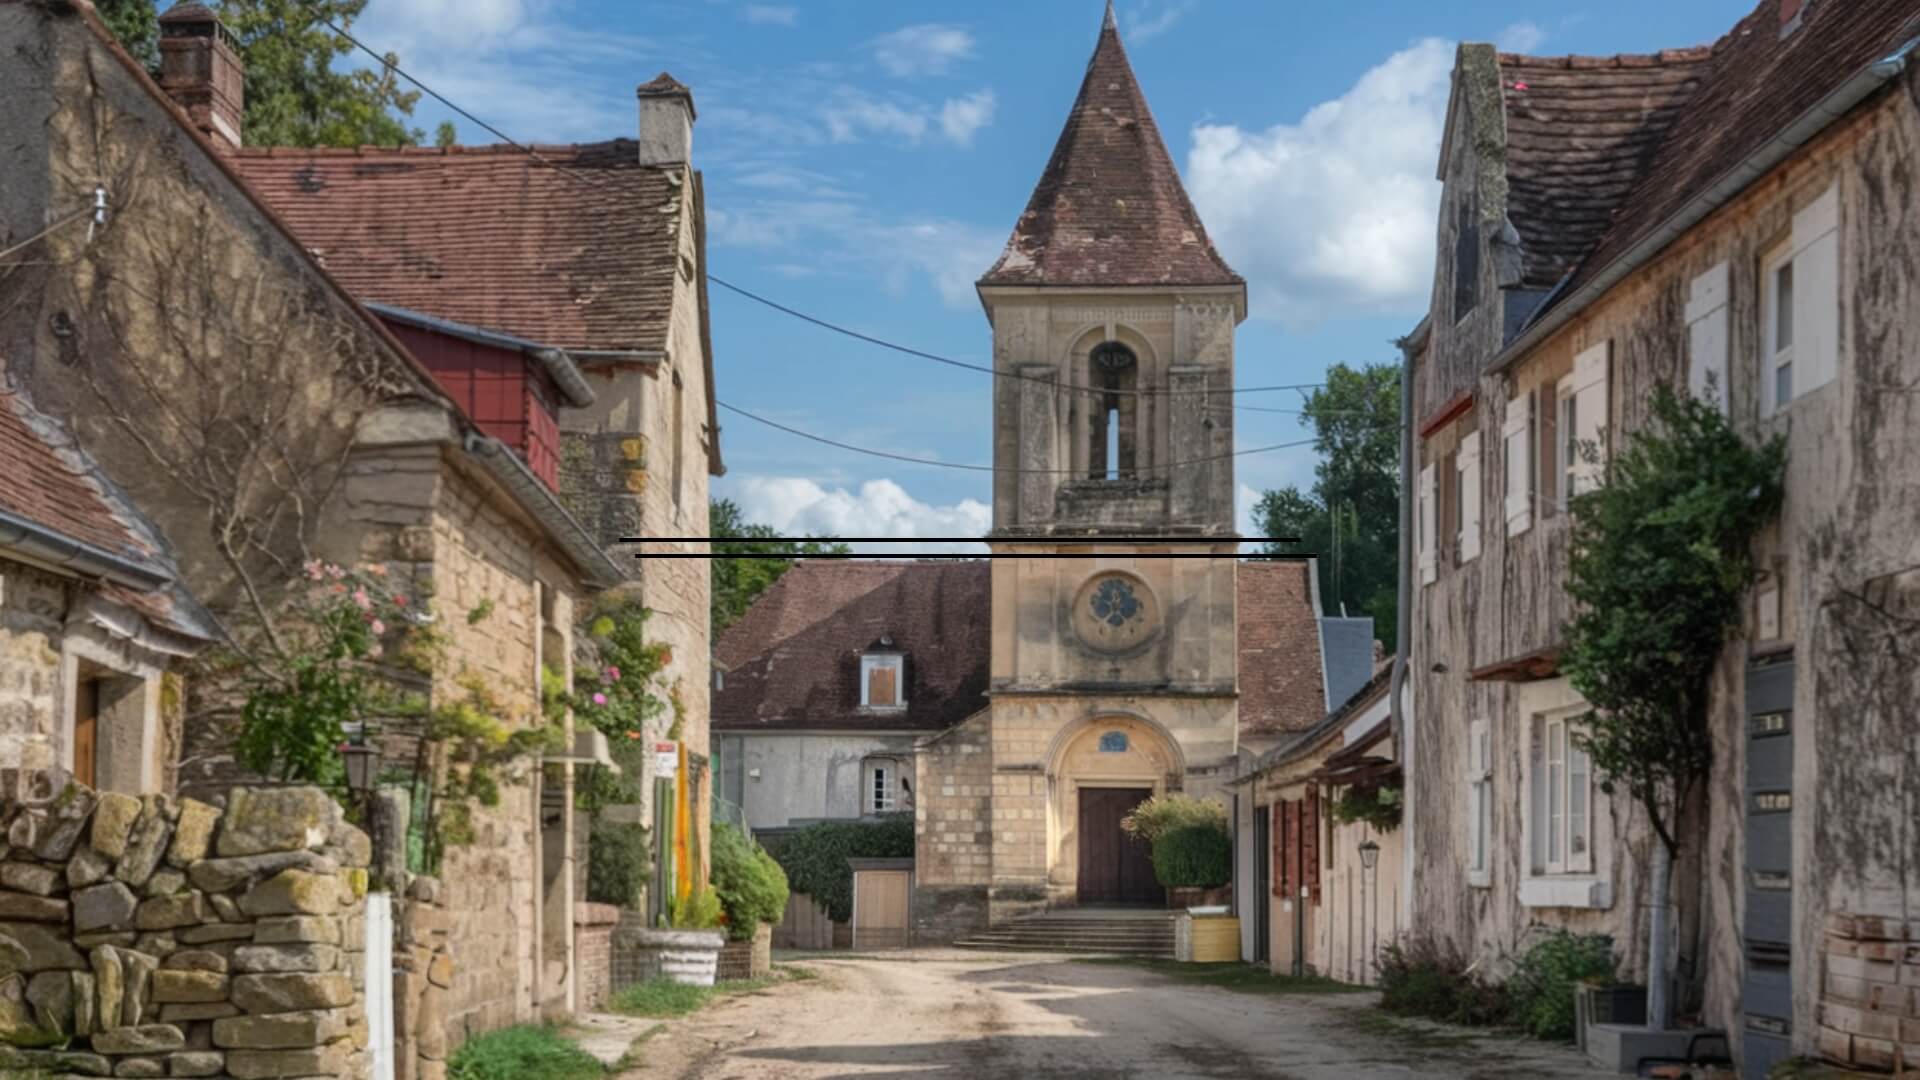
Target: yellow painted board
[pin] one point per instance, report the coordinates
(1216, 940)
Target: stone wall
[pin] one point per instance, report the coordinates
(422, 983)
(953, 832)
(33, 609)
(149, 937)
(593, 952)
(1869, 1011)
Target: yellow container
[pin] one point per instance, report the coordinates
(1216, 939)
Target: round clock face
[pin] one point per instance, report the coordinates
(1115, 612)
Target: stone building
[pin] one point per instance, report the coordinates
(1734, 220)
(207, 357)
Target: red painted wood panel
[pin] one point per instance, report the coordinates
(506, 393)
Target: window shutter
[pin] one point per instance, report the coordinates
(1516, 438)
(1310, 844)
(1429, 565)
(1590, 377)
(1707, 337)
(1478, 765)
(1277, 830)
(880, 687)
(1469, 472)
(1546, 461)
(1816, 292)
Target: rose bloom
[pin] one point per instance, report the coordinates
(599, 699)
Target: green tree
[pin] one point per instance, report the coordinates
(294, 95)
(1351, 517)
(1661, 559)
(737, 581)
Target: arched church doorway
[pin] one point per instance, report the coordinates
(1098, 773)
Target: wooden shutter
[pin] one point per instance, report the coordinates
(1516, 440)
(1707, 337)
(86, 726)
(1468, 477)
(1479, 764)
(1590, 376)
(1429, 561)
(1816, 292)
(1310, 843)
(1546, 477)
(881, 685)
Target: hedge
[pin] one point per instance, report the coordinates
(815, 858)
(619, 862)
(1196, 856)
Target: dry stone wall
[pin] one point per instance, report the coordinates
(154, 937)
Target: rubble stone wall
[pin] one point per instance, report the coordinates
(155, 937)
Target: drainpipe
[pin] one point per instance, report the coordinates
(1403, 736)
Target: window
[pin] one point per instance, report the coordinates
(880, 682)
(1567, 453)
(1115, 371)
(882, 788)
(1479, 803)
(1562, 810)
(887, 788)
(1582, 398)
(1466, 263)
(1113, 742)
(1707, 337)
(1516, 437)
(1776, 328)
(1467, 502)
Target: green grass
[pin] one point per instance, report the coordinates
(1237, 977)
(1425, 1036)
(661, 999)
(523, 1053)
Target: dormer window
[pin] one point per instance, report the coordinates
(882, 680)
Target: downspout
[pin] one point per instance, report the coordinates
(1402, 732)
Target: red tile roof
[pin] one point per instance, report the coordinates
(1580, 132)
(1110, 209)
(55, 489)
(492, 236)
(1279, 634)
(1756, 85)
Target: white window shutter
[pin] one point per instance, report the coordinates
(1478, 766)
(1469, 467)
(1516, 435)
(1707, 337)
(1816, 292)
(1429, 565)
(1590, 377)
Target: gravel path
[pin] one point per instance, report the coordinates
(948, 1017)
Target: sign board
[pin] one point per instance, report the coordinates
(666, 760)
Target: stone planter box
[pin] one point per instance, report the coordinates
(749, 959)
(688, 957)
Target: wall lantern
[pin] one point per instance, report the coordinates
(1369, 855)
(363, 764)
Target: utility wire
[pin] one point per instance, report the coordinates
(822, 439)
(58, 223)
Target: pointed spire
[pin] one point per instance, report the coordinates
(1110, 209)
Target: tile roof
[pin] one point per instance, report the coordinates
(1580, 132)
(1757, 84)
(1110, 209)
(492, 236)
(1279, 636)
(792, 661)
(56, 490)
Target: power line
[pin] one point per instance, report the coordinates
(909, 459)
(57, 223)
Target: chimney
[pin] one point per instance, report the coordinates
(666, 122)
(200, 68)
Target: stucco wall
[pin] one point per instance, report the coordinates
(808, 776)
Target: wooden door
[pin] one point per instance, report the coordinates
(1115, 868)
(880, 900)
(86, 727)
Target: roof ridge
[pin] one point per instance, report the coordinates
(463, 150)
(1692, 54)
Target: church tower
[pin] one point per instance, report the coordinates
(1113, 673)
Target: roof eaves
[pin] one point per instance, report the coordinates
(533, 495)
(40, 544)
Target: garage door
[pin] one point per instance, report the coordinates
(880, 899)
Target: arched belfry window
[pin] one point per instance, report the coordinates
(1114, 429)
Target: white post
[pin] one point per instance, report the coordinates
(379, 985)
(1659, 1010)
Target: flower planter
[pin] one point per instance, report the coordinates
(1182, 898)
(688, 957)
(1206, 939)
(749, 959)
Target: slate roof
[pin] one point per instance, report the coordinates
(1110, 208)
(1756, 85)
(1580, 132)
(792, 661)
(492, 236)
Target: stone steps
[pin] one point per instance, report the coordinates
(1143, 934)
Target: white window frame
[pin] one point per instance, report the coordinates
(1589, 382)
(882, 793)
(1565, 450)
(1517, 439)
(1562, 797)
(1480, 804)
(871, 662)
(1707, 325)
(1428, 526)
(1467, 474)
(1774, 354)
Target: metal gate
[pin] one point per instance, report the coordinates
(1767, 993)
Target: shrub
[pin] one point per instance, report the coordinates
(1163, 814)
(1377, 806)
(1196, 856)
(1542, 988)
(699, 911)
(1424, 977)
(751, 886)
(522, 1053)
(815, 858)
(619, 861)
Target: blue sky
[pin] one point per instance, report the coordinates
(865, 161)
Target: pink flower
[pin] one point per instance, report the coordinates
(360, 597)
(599, 699)
(377, 627)
(613, 674)
(315, 569)
(335, 572)
(399, 601)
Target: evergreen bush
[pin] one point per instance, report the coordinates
(619, 861)
(751, 885)
(1194, 857)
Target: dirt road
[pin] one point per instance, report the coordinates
(945, 1016)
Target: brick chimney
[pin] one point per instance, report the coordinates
(200, 68)
(666, 122)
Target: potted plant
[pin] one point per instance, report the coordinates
(1163, 815)
(686, 949)
(1195, 863)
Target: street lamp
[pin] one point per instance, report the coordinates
(1369, 854)
(363, 763)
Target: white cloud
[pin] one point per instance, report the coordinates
(1148, 23)
(1334, 213)
(771, 14)
(961, 117)
(950, 254)
(927, 49)
(852, 116)
(1521, 37)
(796, 506)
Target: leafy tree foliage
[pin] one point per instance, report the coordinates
(736, 582)
(1351, 516)
(294, 95)
(1661, 559)
(751, 886)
